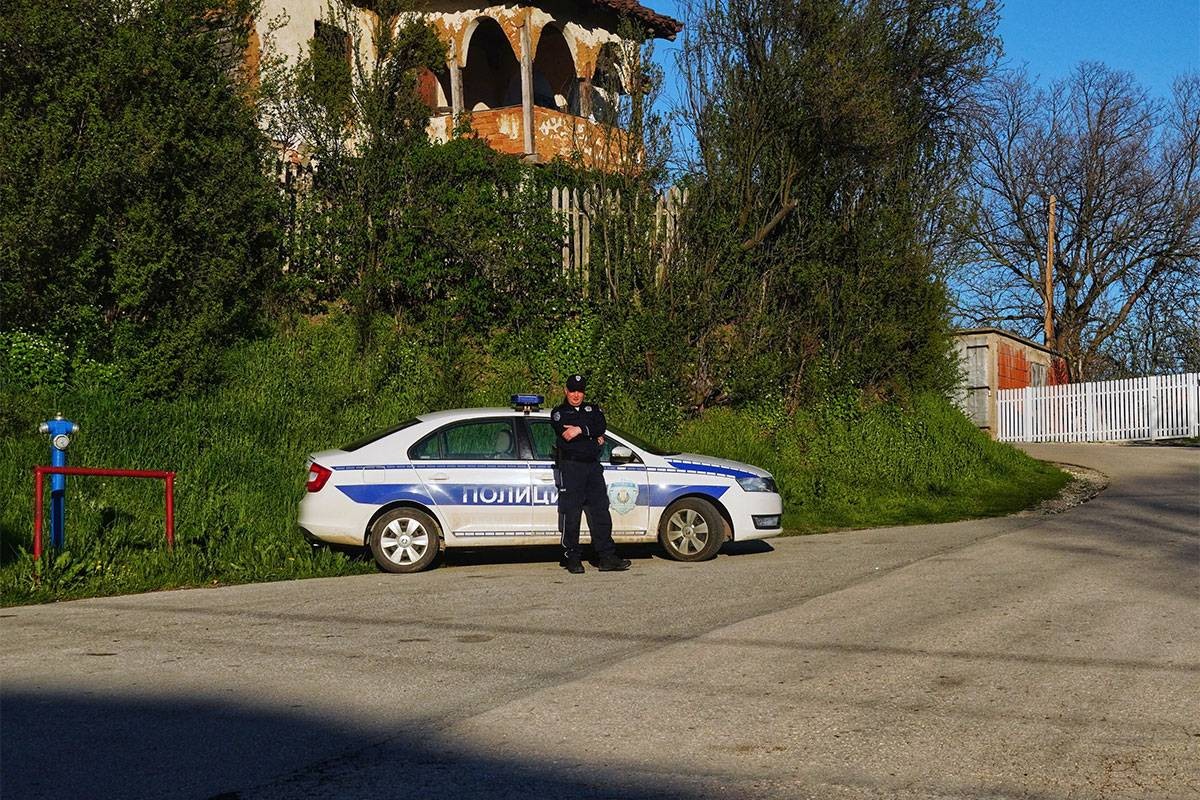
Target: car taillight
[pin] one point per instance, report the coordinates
(317, 476)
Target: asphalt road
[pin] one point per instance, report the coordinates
(1027, 657)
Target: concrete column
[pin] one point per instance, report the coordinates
(585, 97)
(527, 86)
(456, 90)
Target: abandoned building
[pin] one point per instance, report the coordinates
(537, 80)
(991, 359)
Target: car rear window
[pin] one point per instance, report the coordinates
(375, 437)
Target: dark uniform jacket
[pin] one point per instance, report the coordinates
(590, 418)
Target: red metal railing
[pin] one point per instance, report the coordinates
(38, 472)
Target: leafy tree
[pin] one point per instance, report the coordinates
(1125, 169)
(393, 223)
(829, 146)
(636, 353)
(136, 217)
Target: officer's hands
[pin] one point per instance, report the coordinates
(600, 441)
(571, 431)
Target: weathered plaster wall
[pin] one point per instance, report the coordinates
(288, 26)
(585, 32)
(559, 134)
(499, 127)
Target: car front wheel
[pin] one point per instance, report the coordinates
(405, 540)
(691, 530)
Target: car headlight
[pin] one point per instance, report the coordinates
(757, 484)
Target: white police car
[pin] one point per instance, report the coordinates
(485, 476)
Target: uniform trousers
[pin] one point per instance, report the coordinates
(584, 489)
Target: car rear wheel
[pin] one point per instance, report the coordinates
(691, 530)
(405, 540)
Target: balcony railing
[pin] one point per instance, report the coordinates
(555, 134)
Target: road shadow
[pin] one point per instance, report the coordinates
(1149, 520)
(66, 745)
(1165, 443)
(753, 547)
(516, 554)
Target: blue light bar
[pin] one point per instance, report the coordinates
(527, 402)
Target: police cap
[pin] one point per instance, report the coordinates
(576, 383)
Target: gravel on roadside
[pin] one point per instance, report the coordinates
(1085, 484)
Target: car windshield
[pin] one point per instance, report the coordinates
(641, 443)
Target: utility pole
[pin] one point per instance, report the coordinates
(1049, 330)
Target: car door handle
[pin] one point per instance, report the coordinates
(440, 476)
(546, 478)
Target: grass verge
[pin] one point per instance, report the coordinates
(240, 453)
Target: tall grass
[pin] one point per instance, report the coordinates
(240, 452)
(844, 465)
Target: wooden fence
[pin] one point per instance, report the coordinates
(579, 209)
(1156, 407)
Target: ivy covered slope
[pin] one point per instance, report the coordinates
(240, 455)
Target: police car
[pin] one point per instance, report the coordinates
(485, 476)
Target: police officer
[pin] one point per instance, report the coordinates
(579, 436)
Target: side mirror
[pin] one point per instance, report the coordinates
(622, 455)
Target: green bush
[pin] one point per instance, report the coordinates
(29, 361)
(137, 218)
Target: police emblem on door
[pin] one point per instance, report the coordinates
(622, 496)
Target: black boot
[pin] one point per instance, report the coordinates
(574, 565)
(614, 563)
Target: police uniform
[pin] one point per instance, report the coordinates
(582, 487)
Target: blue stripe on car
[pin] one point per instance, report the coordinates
(503, 494)
(474, 494)
(711, 469)
(380, 493)
(663, 496)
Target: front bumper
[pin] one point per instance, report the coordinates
(753, 514)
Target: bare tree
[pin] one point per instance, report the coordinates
(1161, 335)
(1125, 169)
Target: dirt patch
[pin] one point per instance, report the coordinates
(1085, 484)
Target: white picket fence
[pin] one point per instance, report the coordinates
(1156, 407)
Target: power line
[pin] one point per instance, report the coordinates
(1014, 221)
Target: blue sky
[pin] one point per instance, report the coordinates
(1154, 39)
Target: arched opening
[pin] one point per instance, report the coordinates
(608, 84)
(554, 83)
(433, 88)
(492, 77)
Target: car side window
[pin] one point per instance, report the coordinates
(485, 440)
(428, 448)
(541, 432)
